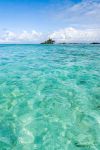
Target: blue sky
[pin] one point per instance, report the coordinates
(29, 14)
(47, 16)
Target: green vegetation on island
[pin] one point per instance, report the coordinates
(49, 41)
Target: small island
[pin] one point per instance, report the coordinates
(95, 43)
(49, 41)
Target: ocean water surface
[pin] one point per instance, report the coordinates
(50, 97)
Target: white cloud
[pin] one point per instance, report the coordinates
(29, 36)
(84, 13)
(71, 35)
(24, 37)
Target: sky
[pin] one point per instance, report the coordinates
(33, 21)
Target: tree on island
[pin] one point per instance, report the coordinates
(49, 41)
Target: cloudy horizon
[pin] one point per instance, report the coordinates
(66, 35)
(33, 22)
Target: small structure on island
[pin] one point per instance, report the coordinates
(49, 41)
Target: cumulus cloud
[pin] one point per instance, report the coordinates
(71, 35)
(23, 37)
(68, 35)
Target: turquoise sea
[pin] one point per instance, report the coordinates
(50, 97)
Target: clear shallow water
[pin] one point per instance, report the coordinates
(49, 97)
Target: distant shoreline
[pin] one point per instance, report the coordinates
(94, 43)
